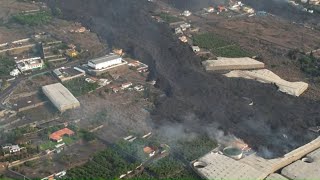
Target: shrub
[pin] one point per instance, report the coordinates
(34, 19)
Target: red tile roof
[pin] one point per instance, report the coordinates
(59, 134)
(148, 150)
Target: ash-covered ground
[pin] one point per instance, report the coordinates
(196, 100)
(279, 8)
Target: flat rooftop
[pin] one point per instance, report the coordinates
(267, 76)
(106, 58)
(219, 166)
(301, 163)
(60, 96)
(223, 63)
(306, 168)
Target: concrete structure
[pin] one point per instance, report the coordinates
(267, 76)
(65, 74)
(178, 30)
(185, 26)
(183, 39)
(11, 148)
(306, 168)
(275, 176)
(215, 165)
(209, 9)
(60, 97)
(30, 64)
(195, 48)
(105, 61)
(15, 72)
(126, 85)
(233, 152)
(218, 166)
(186, 13)
(232, 64)
(104, 82)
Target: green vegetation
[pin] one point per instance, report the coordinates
(48, 144)
(219, 46)
(166, 167)
(51, 145)
(56, 12)
(232, 51)
(34, 19)
(169, 18)
(6, 66)
(16, 134)
(3, 177)
(79, 86)
(310, 65)
(195, 148)
(134, 148)
(86, 135)
(100, 117)
(108, 164)
(170, 168)
(209, 41)
(27, 151)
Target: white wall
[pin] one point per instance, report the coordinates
(105, 64)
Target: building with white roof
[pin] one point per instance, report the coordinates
(232, 64)
(301, 163)
(105, 61)
(15, 72)
(30, 64)
(60, 97)
(186, 13)
(267, 76)
(12, 148)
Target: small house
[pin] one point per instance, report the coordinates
(195, 48)
(58, 135)
(126, 85)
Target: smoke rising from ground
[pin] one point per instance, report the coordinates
(197, 102)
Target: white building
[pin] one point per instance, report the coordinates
(12, 148)
(30, 64)
(126, 85)
(105, 61)
(60, 97)
(195, 48)
(314, 2)
(15, 72)
(185, 26)
(186, 13)
(209, 9)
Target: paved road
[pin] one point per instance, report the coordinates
(5, 93)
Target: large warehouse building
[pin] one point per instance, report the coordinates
(301, 163)
(60, 96)
(105, 61)
(223, 63)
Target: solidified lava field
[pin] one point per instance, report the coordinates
(210, 99)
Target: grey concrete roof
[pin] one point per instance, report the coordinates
(304, 170)
(215, 165)
(232, 64)
(60, 96)
(276, 176)
(267, 76)
(106, 58)
(219, 166)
